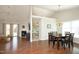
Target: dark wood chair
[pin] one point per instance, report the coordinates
(58, 42)
(54, 40)
(28, 36)
(71, 38)
(66, 40)
(49, 37)
(52, 37)
(57, 39)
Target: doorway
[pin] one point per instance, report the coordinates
(7, 30)
(15, 30)
(35, 29)
(11, 30)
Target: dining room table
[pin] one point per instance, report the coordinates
(59, 39)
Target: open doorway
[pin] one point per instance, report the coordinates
(35, 29)
(11, 30)
(7, 30)
(15, 30)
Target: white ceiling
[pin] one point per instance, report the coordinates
(56, 7)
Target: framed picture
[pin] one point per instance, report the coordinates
(48, 26)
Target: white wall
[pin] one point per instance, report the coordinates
(14, 14)
(44, 30)
(42, 12)
(68, 14)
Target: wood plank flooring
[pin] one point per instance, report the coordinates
(22, 46)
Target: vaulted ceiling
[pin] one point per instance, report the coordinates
(22, 12)
(51, 10)
(56, 7)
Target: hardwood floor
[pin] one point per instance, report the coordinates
(22, 46)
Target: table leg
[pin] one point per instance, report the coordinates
(57, 43)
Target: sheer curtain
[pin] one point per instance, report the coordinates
(66, 27)
(71, 26)
(75, 28)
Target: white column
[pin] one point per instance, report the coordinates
(30, 23)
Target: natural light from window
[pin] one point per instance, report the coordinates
(71, 26)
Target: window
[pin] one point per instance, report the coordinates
(75, 28)
(71, 26)
(66, 27)
(7, 29)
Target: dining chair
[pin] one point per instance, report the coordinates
(66, 40)
(56, 37)
(67, 32)
(71, 38)
(53, 37)
(49, 37)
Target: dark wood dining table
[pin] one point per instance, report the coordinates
(59, 39)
